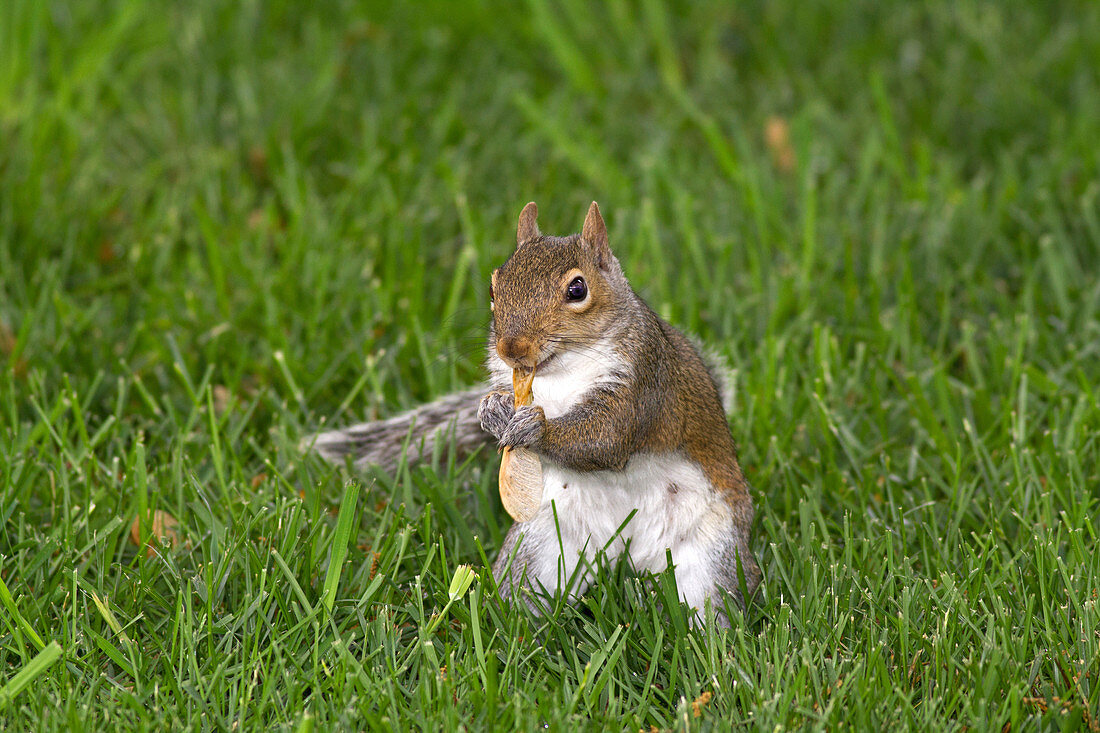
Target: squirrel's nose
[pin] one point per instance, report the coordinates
(517, 351)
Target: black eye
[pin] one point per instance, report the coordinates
(577, 290)
(490, 292)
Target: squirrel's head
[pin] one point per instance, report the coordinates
(554, 293)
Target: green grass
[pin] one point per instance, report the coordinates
(223, 225)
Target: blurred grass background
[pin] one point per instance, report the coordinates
(223, 225)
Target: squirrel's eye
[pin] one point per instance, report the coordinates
(577, 290)
(490, 292)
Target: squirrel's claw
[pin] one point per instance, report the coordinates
(525, 429)
(495, 412)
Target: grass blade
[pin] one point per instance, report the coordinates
(30, 672)
(339, 551)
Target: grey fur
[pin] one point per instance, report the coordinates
(495, 412)
(510, 566)
(720, 372)
(734, 562)
(380, 444)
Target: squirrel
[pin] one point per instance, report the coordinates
(627, 419)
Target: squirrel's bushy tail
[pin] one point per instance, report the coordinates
(450, 420)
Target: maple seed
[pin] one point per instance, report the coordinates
(520, 469)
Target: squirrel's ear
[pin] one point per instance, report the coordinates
(595, 233)
(528, 228)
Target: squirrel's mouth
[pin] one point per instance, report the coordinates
(541, 366)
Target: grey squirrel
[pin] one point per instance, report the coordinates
(626, 417)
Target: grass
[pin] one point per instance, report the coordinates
(223, 225)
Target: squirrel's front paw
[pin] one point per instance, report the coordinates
(495, 412)
(526, 428)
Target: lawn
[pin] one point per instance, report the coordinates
(224, 226)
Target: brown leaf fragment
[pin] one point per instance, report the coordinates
(7, 340)
(777, 135)
(165, 531)
(106, 253)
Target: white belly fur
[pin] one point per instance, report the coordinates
(673, 503)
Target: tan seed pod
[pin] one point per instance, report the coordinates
(520, 469)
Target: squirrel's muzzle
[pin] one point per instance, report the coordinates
(517, 351)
